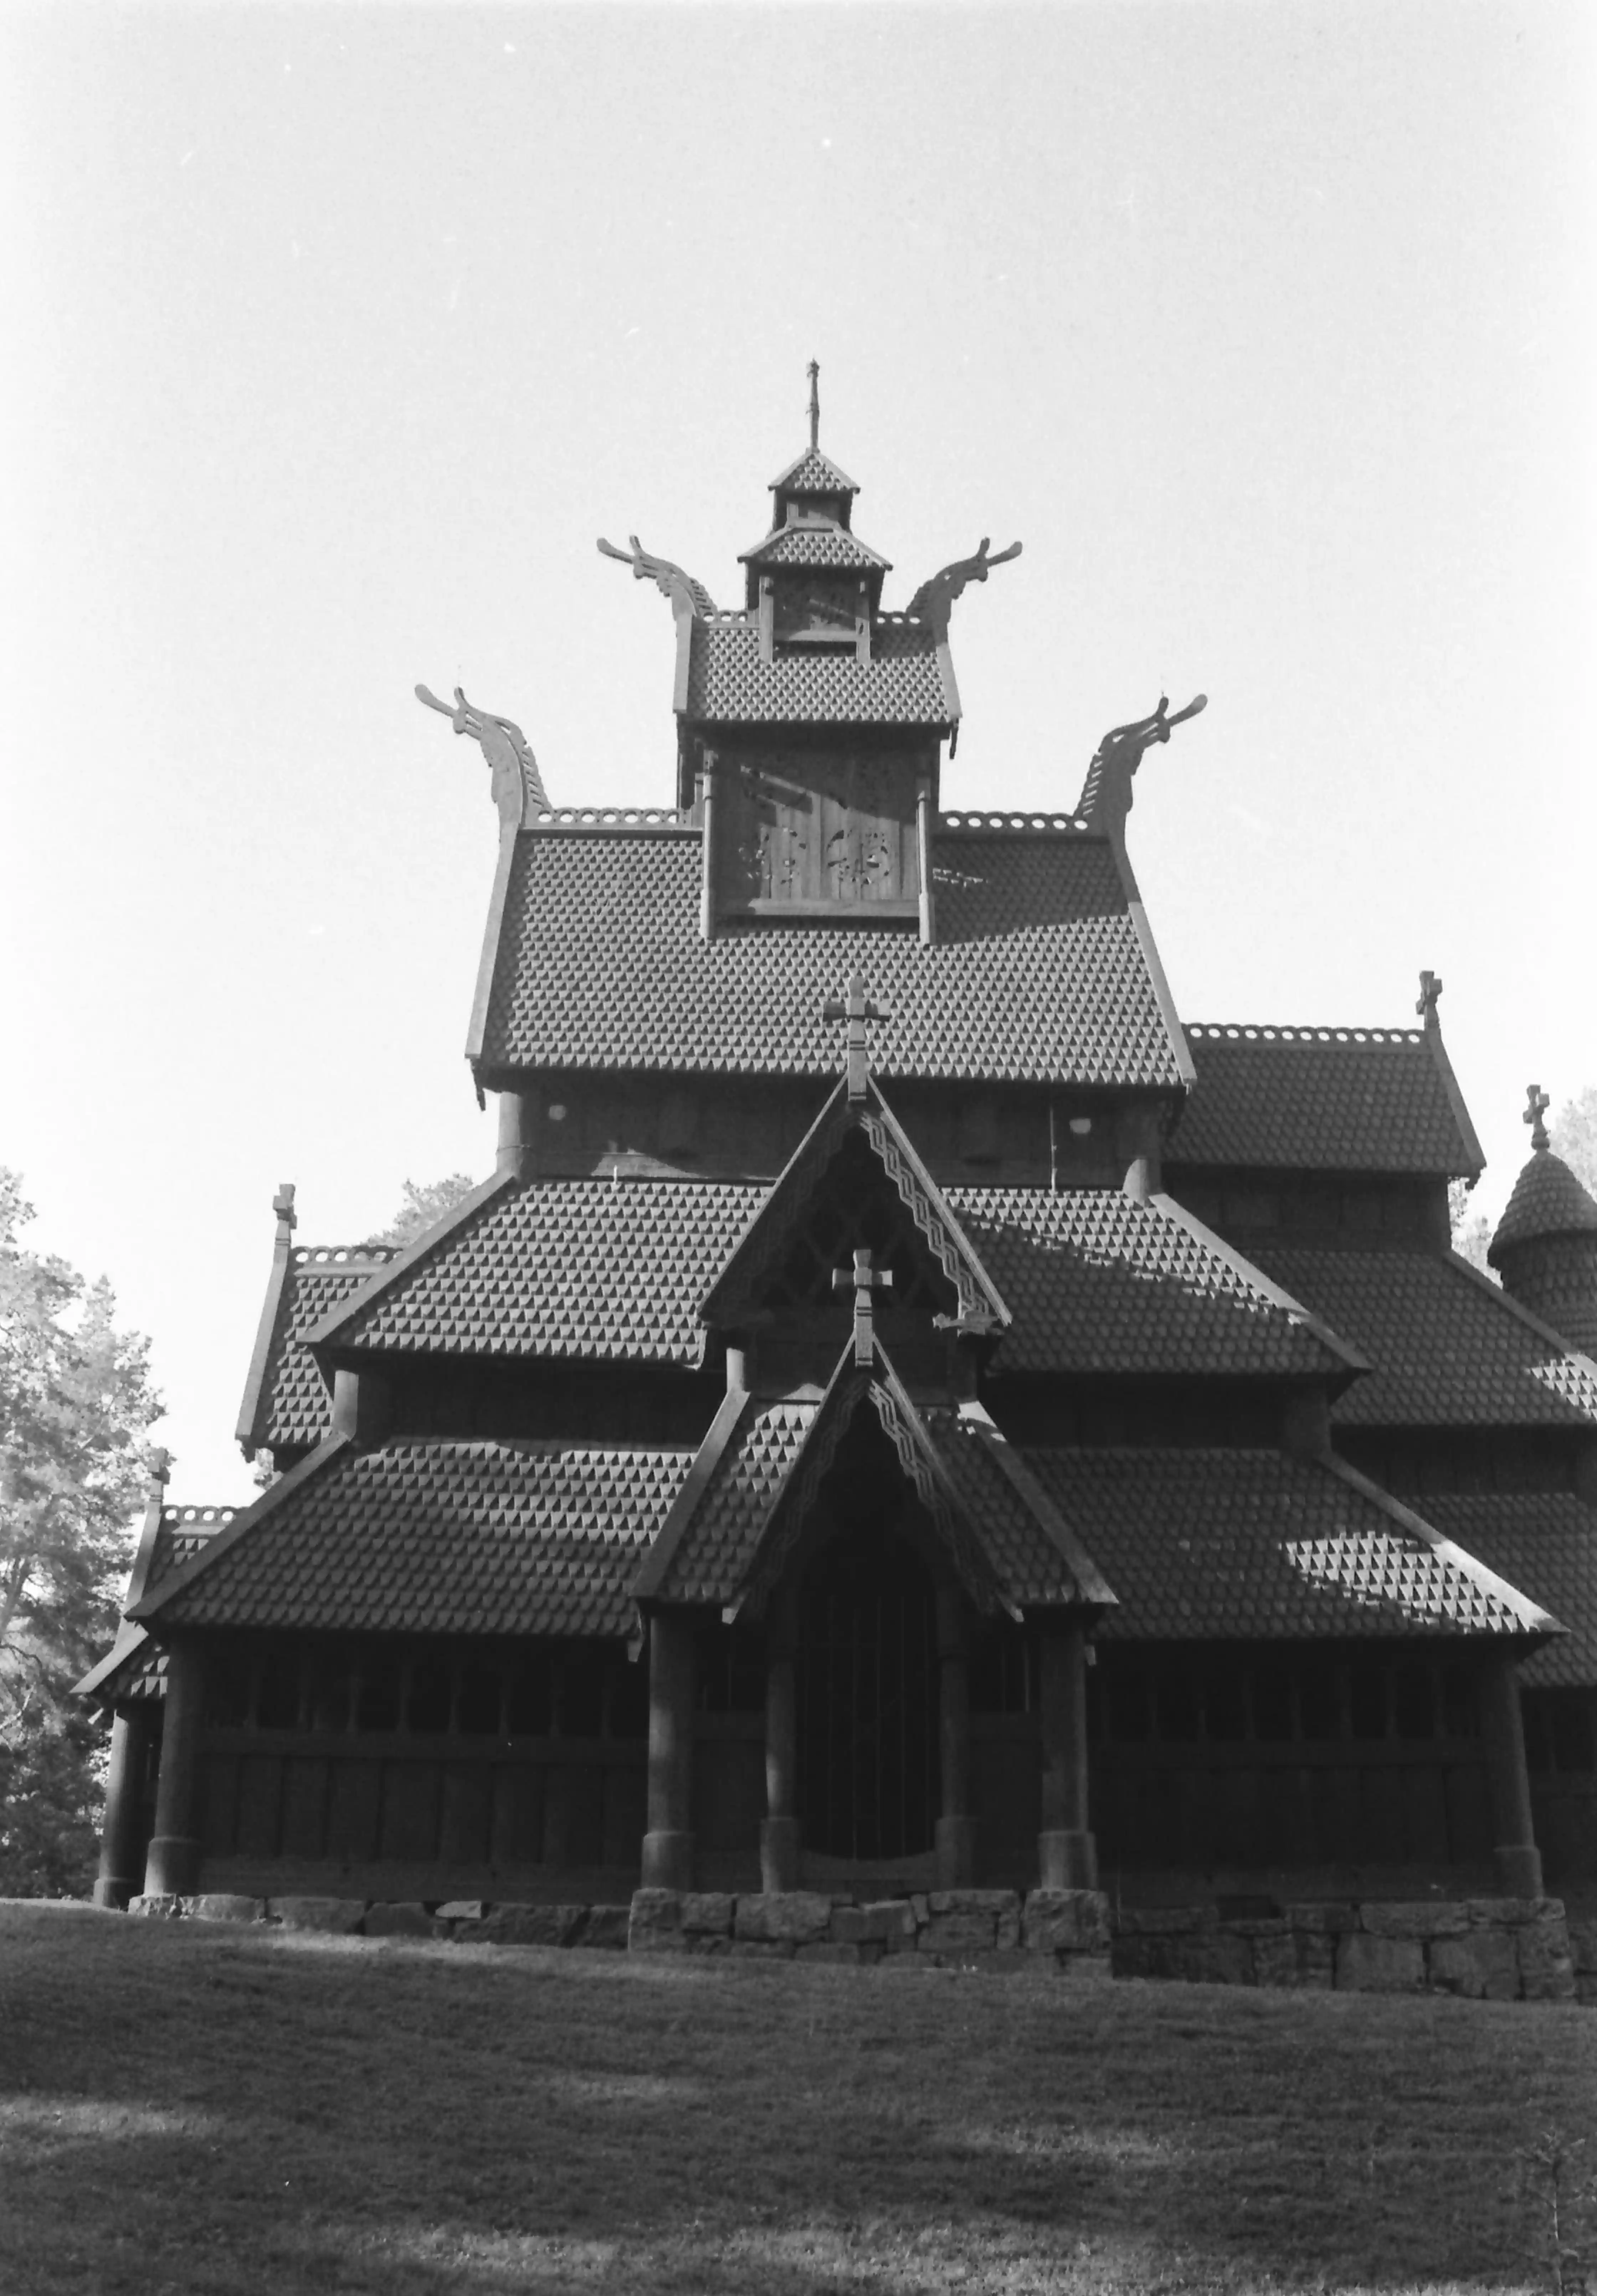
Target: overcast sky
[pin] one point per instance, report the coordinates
(337, 336)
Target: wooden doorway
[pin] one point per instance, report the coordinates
(867, 1694)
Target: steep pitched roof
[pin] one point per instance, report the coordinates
(1244, 1544)
(772, 1226)
(814, 473)
(435, 1538)
(1449, 1349)
(286, 1402)
(813, 545)
(1545, 1543)
(1040, 971)
(1548, 1200)
(612, 1271)
(906, 682)
(759, 1471)
(1325, 1100)
(134, 1668)
(1098, 1284)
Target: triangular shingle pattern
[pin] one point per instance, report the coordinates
(1037, 974)
(1448, 1350)
(296, 1407)
(813, 545)
(1024, 1559)
(1250, 1544)
(814, 474)
(1324, 1100)
(431, 1538)
(1545, 1543)
(901, 684)
(734, 1503)
(1098, 1284)
(1548, 1200)
(567, 1267)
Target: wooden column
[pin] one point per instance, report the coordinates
(1067, 1852)
(779, 1837)
(668, 1845)
(956, 1827)
(707, 857)
(1514, 1852)
(172, 1868)
(121, 1841)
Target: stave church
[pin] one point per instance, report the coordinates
(907, 1410)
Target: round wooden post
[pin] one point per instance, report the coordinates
(779, 1837)
(172, 1868)
(121, 1842)
(1067, 1852)
(1514, 1852)
(957, 1826)
(668, 1845)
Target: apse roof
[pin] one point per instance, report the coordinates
(1096, 1283)
(905, 682)
(1450, 1349)
(1545, 1543)
(1325, 1100)
(1040, 971)
(436, 1537)
(1250, 1544)
(1547, 1200)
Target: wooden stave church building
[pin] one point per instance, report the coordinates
(1183, 1513)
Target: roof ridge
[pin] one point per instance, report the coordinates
(1292, 1033)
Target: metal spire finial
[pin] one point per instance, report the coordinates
(815, 402)
(1536, 1107)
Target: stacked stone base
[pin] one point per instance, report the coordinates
(467, 1921)
(1484, 1949)
(1067, 1930)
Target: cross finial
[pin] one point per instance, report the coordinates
(1536, 1107)
(856, 1008)
(282, 1204)
(1430, 988)
(862, 1279)
(815, 402)
(160, 1472)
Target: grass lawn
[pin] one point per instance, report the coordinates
(201, 2107)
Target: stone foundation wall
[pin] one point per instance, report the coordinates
(1483, 1948)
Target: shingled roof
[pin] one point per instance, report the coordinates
(1545, 1543)
(135, 1667)
(435, 1538)
(813, 545)
(286, 1403)
(1040, 972)
(1547, 1200)
(903, 682)
(1096, 1283)
(1246, 1545)
(1324, 1100)
(1449, 1349)
(814, 473)
(558, 1268)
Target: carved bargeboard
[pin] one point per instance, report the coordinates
(817, 833)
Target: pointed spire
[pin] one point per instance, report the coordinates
(814, 406)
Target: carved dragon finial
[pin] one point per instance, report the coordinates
(934, 599)
(673, 580)
(516, 780)
(1106, 798)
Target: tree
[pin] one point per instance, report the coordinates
(75, 1404)
(1471, 1232)
(1574, 1136)
(423, 1203)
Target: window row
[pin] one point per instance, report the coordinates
(574, 1691)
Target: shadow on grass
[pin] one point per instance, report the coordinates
(195, 2109)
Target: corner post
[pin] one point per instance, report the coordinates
(957, 1826)
(513, 1153)
(172, 1868)
(1514, 1852)
(779, 1835)
(118, 1879)
(707, 876)
(923, 853)
(668, 1845)
(1067, 1852)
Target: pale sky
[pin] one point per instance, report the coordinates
(336, 336)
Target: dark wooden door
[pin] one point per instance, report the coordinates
(867, 1683)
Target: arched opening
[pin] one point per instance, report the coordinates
(866, 1698)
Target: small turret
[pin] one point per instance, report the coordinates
(1545, 1247)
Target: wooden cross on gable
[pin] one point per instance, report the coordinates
(1536, 1107)
(862, 1279)
(856, 1008)
(1430, 988)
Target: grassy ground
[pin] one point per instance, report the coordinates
(208, 2108)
